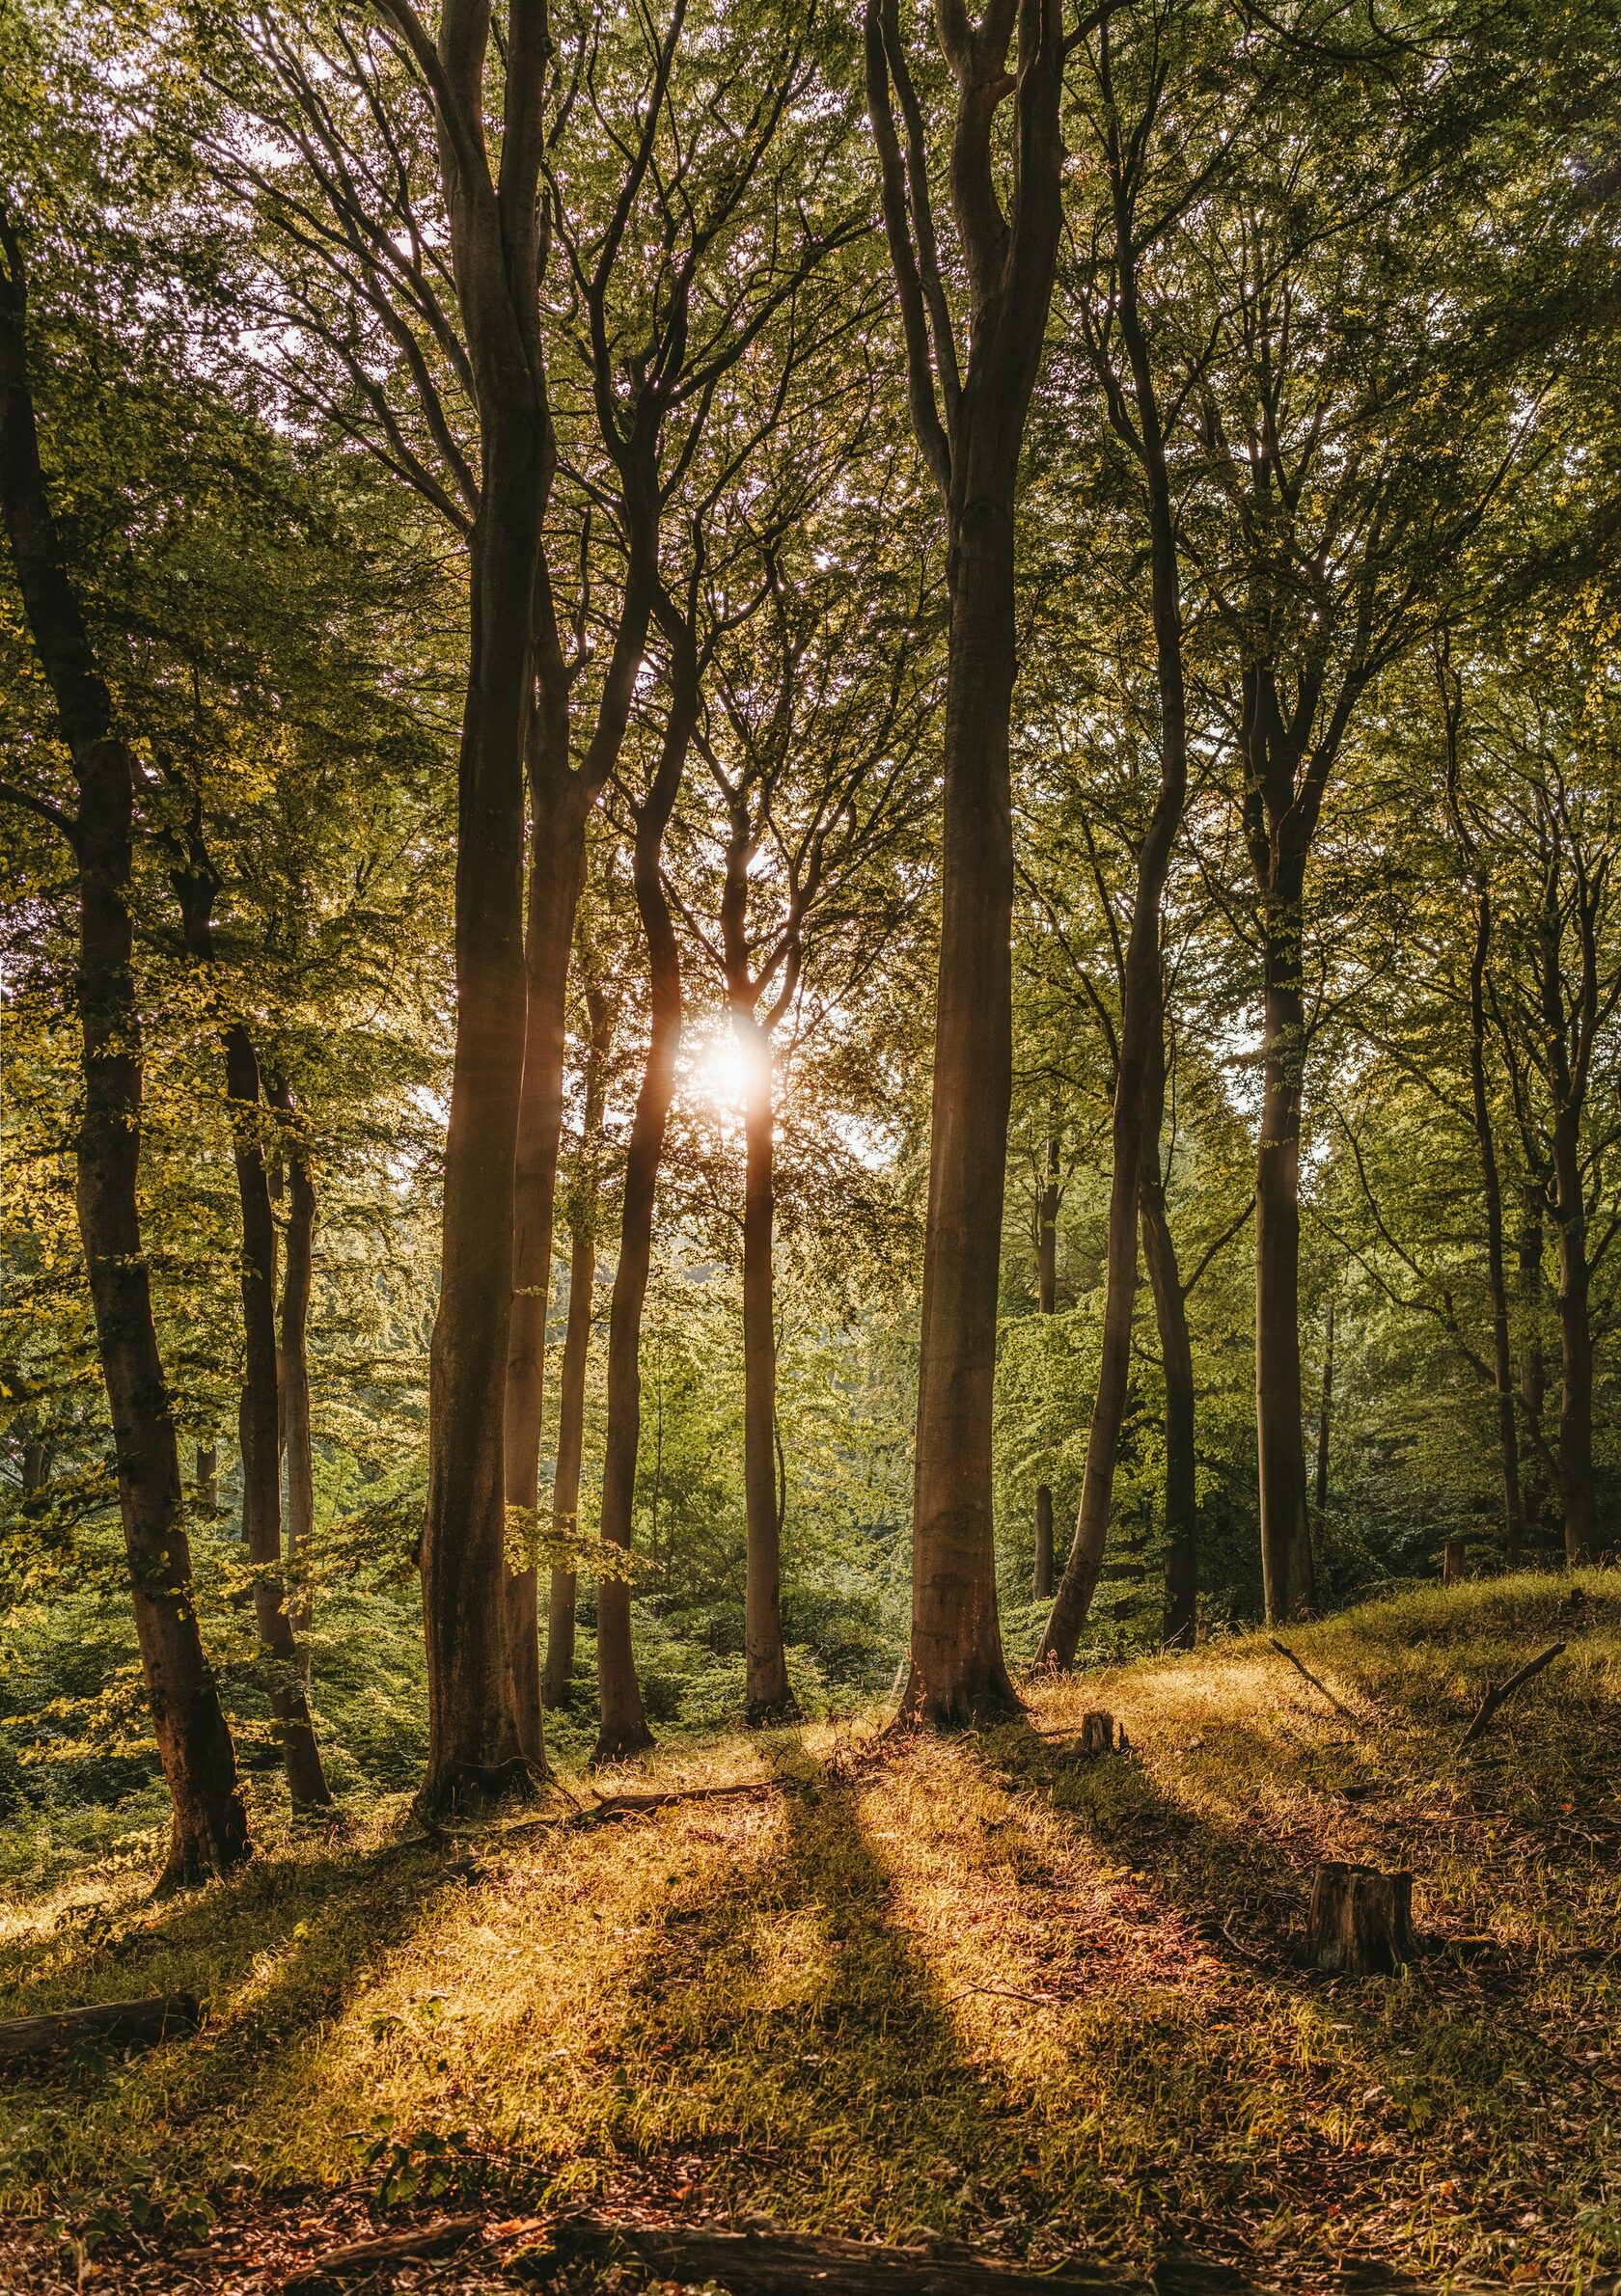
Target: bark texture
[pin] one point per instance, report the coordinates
(1046, 1300)
(209, 1831)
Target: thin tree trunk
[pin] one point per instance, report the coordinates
(209, 1829)
(1324, 1418)
(770, 1698)
(207, 1478)
(1533, 1366)
(556, 1682)
(1502, 1355)
(1286, 1560)
(297, 1284)
(1139, 1082)
(558, 1673)
(623, 1726)
(555, 873)
(1578, 1499)
(1176, 1360)
(260, 1430)
(1046, 1300)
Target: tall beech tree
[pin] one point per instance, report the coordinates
(969, 393)
(208, 1828)
(1126, 97)
(678, 146)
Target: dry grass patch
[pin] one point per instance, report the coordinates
(981, 1988)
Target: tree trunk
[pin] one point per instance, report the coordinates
(623, 1726)
(1325, 1418)
(1533, 1368)
(957, 1673)
(1502, 1356)
(770, 1698)
(260, 1432)
(1140, 1072)
(565, 1490)
(557, 871)
(1578, 1499)
(1176, 1359)
(297, 1284)
(209, 1830)
(1286, 1561)
(1046, 1300)
(475, 1743)
(207, 1478)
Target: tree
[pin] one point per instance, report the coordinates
(209, 1830)
(968, 414)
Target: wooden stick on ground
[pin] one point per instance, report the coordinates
(1337, 1703)
(1496, 1698)
(789, 2263)
(355, 2256)
(114, 2023)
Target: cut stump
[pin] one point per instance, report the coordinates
(1098, 1733)
(115, 2024)
(1359, 1922)
(1452, 1562)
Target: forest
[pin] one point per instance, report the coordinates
(810, 1467)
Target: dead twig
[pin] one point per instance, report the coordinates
(1495, 1698)
(1338, 1704)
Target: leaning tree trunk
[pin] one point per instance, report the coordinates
(1046, 1300)
(957, 1673)
(1577, 1500)
(623, 1726)
(770, 1698)
(556, 873)
(209, 1830)
(261, 1432)
(298, 1266)
(1287, 1563)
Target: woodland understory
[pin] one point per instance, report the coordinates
(811, 979)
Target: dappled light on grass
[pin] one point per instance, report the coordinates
(980, 1986)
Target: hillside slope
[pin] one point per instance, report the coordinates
(984, 1987)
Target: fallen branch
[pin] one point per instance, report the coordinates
(1495, 1698)
(117, 2024)
(1337, 1703)
(436, 2239)
(788, 2263)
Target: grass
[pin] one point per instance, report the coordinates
(978, 1986)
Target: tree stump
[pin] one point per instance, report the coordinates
(1098, 1733)
(1452, 1562)
(1360, 1921)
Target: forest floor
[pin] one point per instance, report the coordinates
(983, 1988)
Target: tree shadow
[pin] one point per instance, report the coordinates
(276, 1953)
